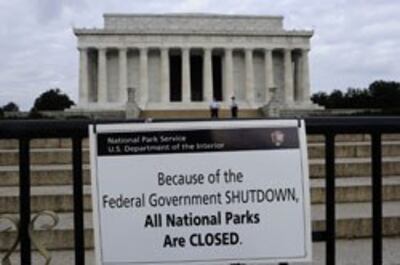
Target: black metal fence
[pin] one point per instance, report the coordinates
(25, 131)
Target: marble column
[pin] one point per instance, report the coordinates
(288, 73)
(298, 79)
(305, 77)
(186, 88)
(102, 76)
(123, 74)
(165, 90)
(249, 75)
(228, 88)
(144, 81)
(83, 76)
(269, 74)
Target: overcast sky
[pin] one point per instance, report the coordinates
(355, 42)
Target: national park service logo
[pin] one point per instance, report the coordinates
(277, 137)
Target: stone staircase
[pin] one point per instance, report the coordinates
(51, 178)
(197, 114)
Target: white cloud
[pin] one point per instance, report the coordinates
(355, 42)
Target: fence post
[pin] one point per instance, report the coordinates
(377, 198)
(330, 198)
(24, 200)
(78, 201)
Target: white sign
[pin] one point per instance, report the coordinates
(206, 192)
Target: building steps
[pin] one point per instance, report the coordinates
(318, 139)
(353, 221)
(59, 174)
(60, 198)
(54, 156)
(51, 179)
(60, 152)
(198, 114)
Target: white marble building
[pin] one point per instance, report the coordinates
(182, 61)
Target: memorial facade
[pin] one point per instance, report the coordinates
(183, 61)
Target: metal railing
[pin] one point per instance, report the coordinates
(25, 131)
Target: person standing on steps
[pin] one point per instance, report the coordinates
(234, 108)
(214, 108)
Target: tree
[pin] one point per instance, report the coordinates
(383, 95)
(336, 99)
(52, 99)
(11, 106)
(357, 98)
(320, 98)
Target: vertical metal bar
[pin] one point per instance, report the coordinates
(24, 200)
(377, 199)
(330, 198)
(78, 201)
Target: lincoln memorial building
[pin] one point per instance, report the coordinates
(182, 61)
